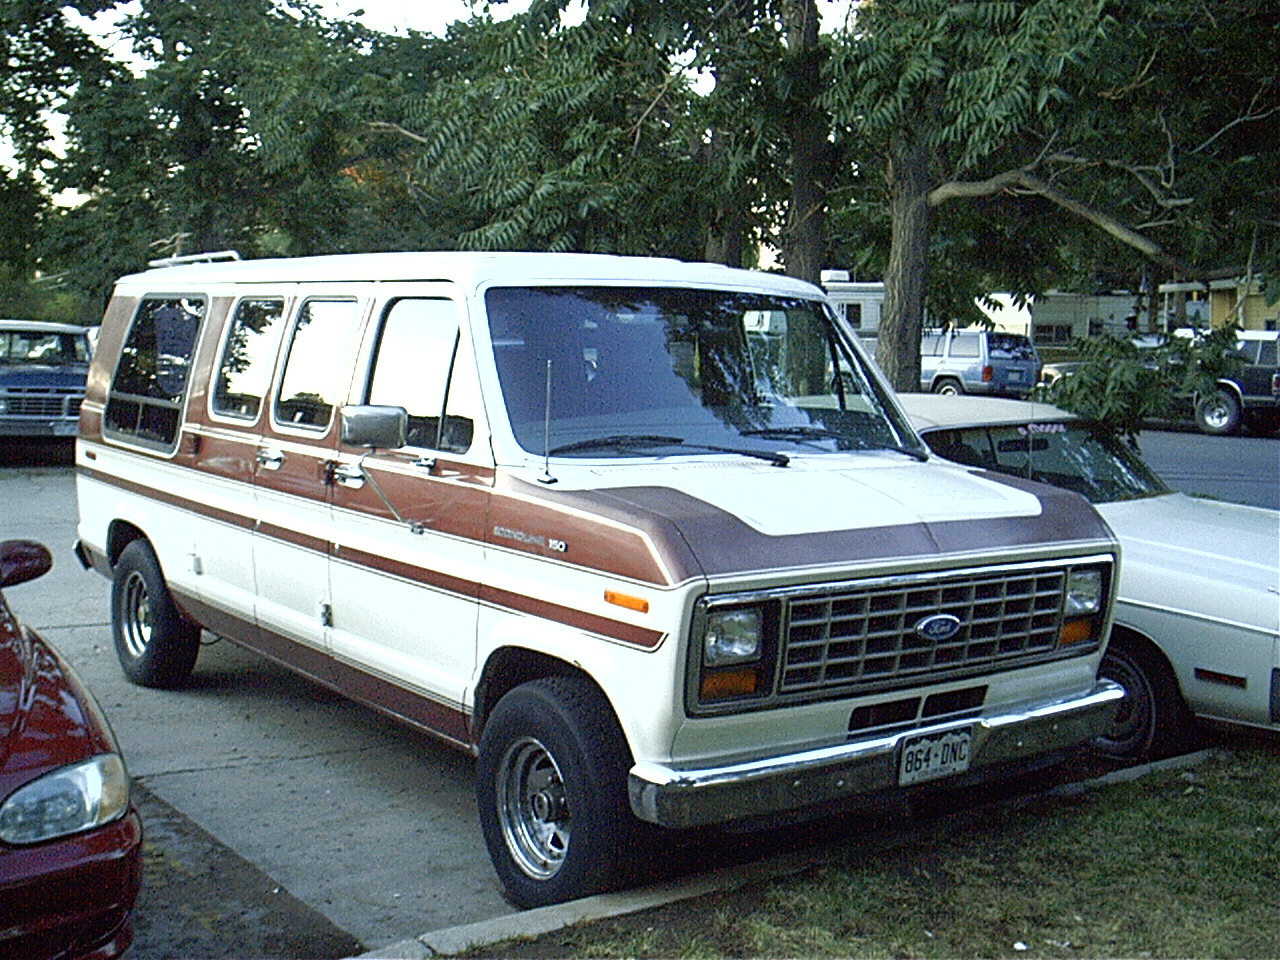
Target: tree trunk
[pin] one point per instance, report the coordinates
(804, 237)
(901, 316)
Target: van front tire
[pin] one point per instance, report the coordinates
(552, 792)
(155, 643)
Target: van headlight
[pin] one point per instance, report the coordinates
(1084, 592)
(68, 800)
(732, 652)
(732, 636)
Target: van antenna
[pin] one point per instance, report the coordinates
(546, 433)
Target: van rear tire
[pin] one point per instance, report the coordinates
(155, 644)
(949, 387)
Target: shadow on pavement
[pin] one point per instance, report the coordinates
(199, 899)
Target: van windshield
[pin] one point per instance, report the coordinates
(636, 372)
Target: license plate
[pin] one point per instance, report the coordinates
(1015, 376)
(65, 429)
(934, 755)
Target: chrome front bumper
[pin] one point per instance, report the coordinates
(688, 797)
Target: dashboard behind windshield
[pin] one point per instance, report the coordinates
(1068, 455)
(579, 365)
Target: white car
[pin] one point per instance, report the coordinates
(1197, 622)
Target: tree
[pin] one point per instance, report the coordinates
(553, 141)
(1082, 106)
(243, 129)
(45, 56)
(946, 88)
(593, 136)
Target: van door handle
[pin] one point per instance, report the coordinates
(270, 458)
(348, 475)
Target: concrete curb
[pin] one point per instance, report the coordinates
(533, 923)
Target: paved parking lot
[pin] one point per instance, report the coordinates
(365, 822)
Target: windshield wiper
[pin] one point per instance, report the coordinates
(624, 441)
(617, 442)
(914, 452)
(796, 432)
(822, 433)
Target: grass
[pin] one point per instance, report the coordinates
(1179, 863)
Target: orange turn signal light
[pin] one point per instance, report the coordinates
(1075, 631)
(723, 684)
(627, 601)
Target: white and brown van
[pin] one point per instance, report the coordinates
(611, 524)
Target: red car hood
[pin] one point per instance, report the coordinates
(14, 661)
(47, 718)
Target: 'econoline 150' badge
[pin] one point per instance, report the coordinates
(938, 627)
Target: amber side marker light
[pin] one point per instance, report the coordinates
(1075, 631)
(627, 601)
(724, 684)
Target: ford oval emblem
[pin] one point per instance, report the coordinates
(938, 627)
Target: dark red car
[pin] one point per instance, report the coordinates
(70, 837)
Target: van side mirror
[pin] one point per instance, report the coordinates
(367, 425)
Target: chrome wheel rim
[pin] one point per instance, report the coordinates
(135, 615)
(533, 810)
(1216, 413)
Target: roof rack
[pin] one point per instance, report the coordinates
(213, 257)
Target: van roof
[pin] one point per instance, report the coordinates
(469, 269)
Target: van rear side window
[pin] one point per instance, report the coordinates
(150, 385)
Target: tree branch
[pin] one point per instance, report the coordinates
(383, 126)
(1025, 180)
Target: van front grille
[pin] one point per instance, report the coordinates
(855, 636)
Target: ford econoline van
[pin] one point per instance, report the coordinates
(607, 523)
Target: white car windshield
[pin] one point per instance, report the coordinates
(1064, 454)
(639, 372)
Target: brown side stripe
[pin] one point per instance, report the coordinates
(570, 617)
(414, 707)
(518, 603)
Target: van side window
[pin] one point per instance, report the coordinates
(147, 393)
(244, 375)
(312, 384)
(413, 367)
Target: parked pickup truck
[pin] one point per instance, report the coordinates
(42, 373)
(1251, 395)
